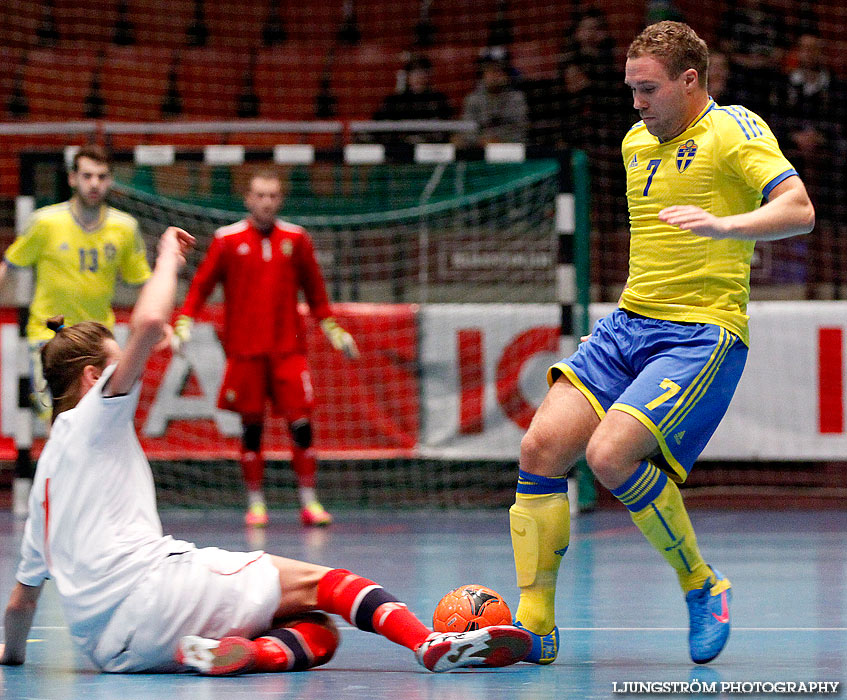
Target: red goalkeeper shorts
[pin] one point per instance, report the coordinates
(250, 381)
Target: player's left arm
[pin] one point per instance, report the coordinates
(18, 621)
(788, 212)
(314, 288)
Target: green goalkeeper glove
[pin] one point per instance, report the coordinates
(340, 339)
(182, 333)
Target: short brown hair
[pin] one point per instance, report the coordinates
(676, 46)
(93, 152)
(263, 173)
(64, 357)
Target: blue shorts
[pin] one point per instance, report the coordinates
(676, 378)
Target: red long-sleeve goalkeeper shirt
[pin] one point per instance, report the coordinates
(261, 277)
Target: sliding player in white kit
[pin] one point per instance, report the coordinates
(136, 600)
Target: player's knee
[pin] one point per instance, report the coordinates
(606, 463)
(301, 433)
(251, 437)
(533, 450)
(544, 456)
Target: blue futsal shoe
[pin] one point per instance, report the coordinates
(708, 615)
(545, 647)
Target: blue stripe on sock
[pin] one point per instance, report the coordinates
(539, 485)
(621, 490)
(646, 472)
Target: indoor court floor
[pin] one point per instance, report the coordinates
(620, 611)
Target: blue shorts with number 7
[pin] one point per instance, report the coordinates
(676, 378)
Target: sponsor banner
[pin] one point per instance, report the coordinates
(790, 402)
(484, 366)
(463, 381)
(496, 260)
(364, 408)
(483, 369)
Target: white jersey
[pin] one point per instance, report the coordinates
(93, 525)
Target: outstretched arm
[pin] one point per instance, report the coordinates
(152, 311)
(788, 212)
(18, 621)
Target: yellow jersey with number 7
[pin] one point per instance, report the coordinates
(76, 269)
(725, 162)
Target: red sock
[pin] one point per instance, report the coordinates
(305, 466)
(370, 607)
(305, 642)
(253, 470)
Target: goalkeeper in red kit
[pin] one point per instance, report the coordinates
(263, 263)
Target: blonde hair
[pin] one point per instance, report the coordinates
(65, 356)
(676, 46)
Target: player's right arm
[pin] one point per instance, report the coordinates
(18, 621)
(26, 248)
(152, 311)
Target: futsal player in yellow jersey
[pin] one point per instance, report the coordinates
(77, 249)
(644, 393)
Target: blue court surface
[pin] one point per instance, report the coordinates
(622, 616)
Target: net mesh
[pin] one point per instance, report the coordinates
(383, 233)
(181, 60)
(386, 236)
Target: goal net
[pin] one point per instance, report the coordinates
(467, 231)
(445, 275)
(409, 248)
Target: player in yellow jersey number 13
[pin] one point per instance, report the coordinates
(646, 390)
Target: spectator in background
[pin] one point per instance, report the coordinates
(813, 104)
(587, 106)
(719, 78)
(586, 103)
(725, 84)
(495, 105)
(812, 99)
(755, 37)
(417, 100)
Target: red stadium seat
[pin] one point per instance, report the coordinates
(462, 22)
(235, 25)
(135, 79)
(57, 82)
(538, 58)
(161, 22)
(83, 22)
(287, 79)
(210, 81)
(454, 72)
(362, 77)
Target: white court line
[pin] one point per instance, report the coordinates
(626, 629)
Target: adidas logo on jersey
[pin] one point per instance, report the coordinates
(634, 162)
(678, 437)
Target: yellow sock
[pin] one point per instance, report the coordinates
(540, 525)
(656, 507)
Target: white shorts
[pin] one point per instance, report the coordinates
(208, 592)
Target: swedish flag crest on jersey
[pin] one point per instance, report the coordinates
(685, 154)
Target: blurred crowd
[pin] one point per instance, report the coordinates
(774, 65)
